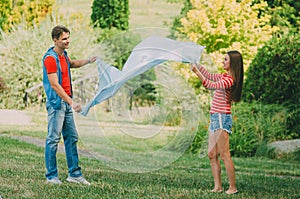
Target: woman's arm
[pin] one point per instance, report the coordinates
(218, 82)
(195, 69)
(224, 83)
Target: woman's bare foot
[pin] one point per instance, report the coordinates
(231, 191)
(216, 190)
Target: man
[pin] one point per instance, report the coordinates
(59, 104)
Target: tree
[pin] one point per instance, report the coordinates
(110, 13)
(223, 25)
(273, 76)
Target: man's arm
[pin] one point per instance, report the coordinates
(53, 79)
(79, 63)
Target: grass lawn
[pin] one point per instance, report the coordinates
(22, 176)
(22, 166)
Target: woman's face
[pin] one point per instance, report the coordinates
(226, 62)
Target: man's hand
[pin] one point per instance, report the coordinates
(92, 59)
(77, 107)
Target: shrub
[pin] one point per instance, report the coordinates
(285, 14)
(110, 13)
(273, 77)
(13, 12)
(223, 25)
(254, 125)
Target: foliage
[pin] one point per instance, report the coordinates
(13, 12)
(21, 52)
(255, 124)
(176, 22)
(273, 77)
(223, 25)
(146, 93)
(110, 13)
(285, 14)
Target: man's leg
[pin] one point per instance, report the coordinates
(55, 123)
(70, 137)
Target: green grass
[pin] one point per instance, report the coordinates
(22, 166)
(22, 176)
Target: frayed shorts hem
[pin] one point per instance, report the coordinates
(213, 131)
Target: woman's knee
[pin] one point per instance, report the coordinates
(212, 155)
(225, 156)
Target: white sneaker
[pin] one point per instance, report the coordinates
(54, 180)
(79, 179)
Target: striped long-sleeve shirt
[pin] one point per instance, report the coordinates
(221, 84)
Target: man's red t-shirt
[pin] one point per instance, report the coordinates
(51, 67)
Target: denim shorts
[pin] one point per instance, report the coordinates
(220, 121)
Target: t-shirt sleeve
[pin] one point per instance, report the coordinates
(50, 64)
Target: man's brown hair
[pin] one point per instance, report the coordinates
(57, 31)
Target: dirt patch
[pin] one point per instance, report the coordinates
(61, 149)
(14, 117)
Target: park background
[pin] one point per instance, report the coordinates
(266, 34)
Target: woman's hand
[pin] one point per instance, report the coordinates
(194, 68)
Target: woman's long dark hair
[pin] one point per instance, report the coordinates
(237, 71)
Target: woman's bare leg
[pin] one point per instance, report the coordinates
(223, 147)
(214, 161)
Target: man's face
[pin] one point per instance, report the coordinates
(63, 41)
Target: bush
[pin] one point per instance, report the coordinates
(13, 12)
(223, 25)
(254, 125)
(285, 14)
(273, 77)
(110, 13)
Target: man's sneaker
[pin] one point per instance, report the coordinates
(54, 180)
(79, 179)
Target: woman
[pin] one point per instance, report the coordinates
(227, 89)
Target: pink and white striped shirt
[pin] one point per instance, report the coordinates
(221, 84)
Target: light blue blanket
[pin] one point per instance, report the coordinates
(147, 54)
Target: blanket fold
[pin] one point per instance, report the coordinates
(147, 54)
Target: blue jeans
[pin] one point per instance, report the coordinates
(61, 122)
